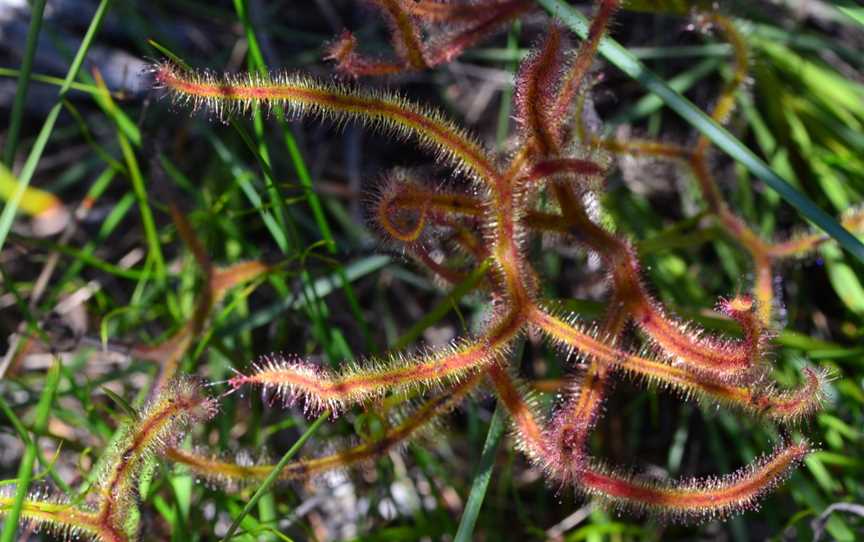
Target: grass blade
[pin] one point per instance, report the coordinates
(139, 188)
(17, 112)
(481, 479)
(274, 474)
(257, 63)
(444, 306)
(851, 10)
(25, 469)
(620, 57)
(35, 155)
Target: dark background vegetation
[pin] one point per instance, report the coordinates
(802, 112)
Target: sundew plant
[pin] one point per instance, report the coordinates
(332, 260)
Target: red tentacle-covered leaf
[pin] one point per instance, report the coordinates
(343, 51)
(536, 84)
(458, 11)
(404, 32)
(451, 28)
(446, 46)
(564, 166)
(580, 64)
(707, 498)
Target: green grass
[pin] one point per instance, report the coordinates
(274, 475)
(26, 174)
(25, 468)
(24, 76)
(284, 191)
